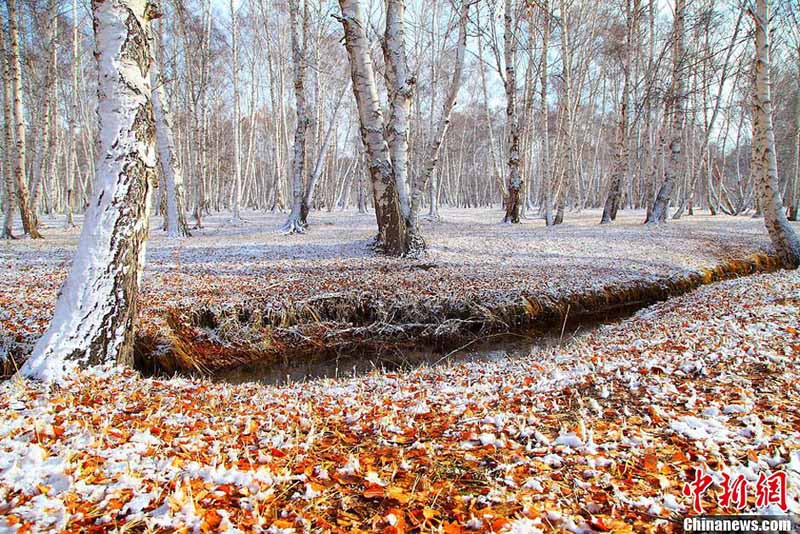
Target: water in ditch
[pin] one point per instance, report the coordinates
(353, 363)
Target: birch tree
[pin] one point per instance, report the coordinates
(512, 122)
(94, 316)
(8, 139)
(18, 116)
(675, 159)
(392, 229)
(765, 164)
(421, 180)
(547, 179)
(237, 150)
(295, 222)
(72, 178)
(171, 169)
(622, 163)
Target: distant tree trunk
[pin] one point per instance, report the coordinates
(8, 139)
(392, 232)
(497, 173)
(515, 183)
(237, 170)
(295, 222)
(23, 198)
(202, 178)
(401, 83)
(621, 163)
(49, 124)
(421, 179)
(72, 177)
(94, 316)
(794, 194)
(566, 143)
(674, 165)
(547, 179)
(765, 164)
(170, 166)
(319, 165)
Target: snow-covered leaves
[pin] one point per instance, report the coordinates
(598, 436)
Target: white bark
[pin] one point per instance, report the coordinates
(674, 164)
(170, 166)
(765, 163)
(547, 179)
(23, 197)
(95, 312)
(392, 232)
(400, 84)
(237, 171)
(513, 200)
(421, 179)
(72, 176)
(8, 138)
(622, 163)
(295, 222)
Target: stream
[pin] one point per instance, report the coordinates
(352, 363)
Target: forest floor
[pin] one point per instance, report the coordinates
(215, 296)
(599, 435)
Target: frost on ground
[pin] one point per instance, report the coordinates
(473, 258)
(600, 435)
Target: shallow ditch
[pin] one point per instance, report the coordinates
(331, 334)
(480, 349)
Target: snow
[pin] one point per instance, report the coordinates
(232, 267)
(569, 440)
(524, 526)
(165, 454)
(89, 295)
(701, 429)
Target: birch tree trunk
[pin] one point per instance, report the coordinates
(392, 232)
(497, 173)
(512, 124)
(319, 165)
(23, 198)
(622, 164)
(72, 176)
(237, 171)
(794, 207)
(421, 179)
(400, 84)
(295, 223)
(202, 177)
(49, 124)
(8, 139)
(675, 162)
(170, 166)
(94, 316)
(765, 164)
(547, 179)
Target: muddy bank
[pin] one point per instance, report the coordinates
(221, 337)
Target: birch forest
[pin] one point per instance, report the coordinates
(547, 108)
(399, 266)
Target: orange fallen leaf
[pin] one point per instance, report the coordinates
(373, 491)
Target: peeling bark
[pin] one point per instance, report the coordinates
(515, 180)
(392, 231)
(94, 316)
(765, 163)
(296, 223)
